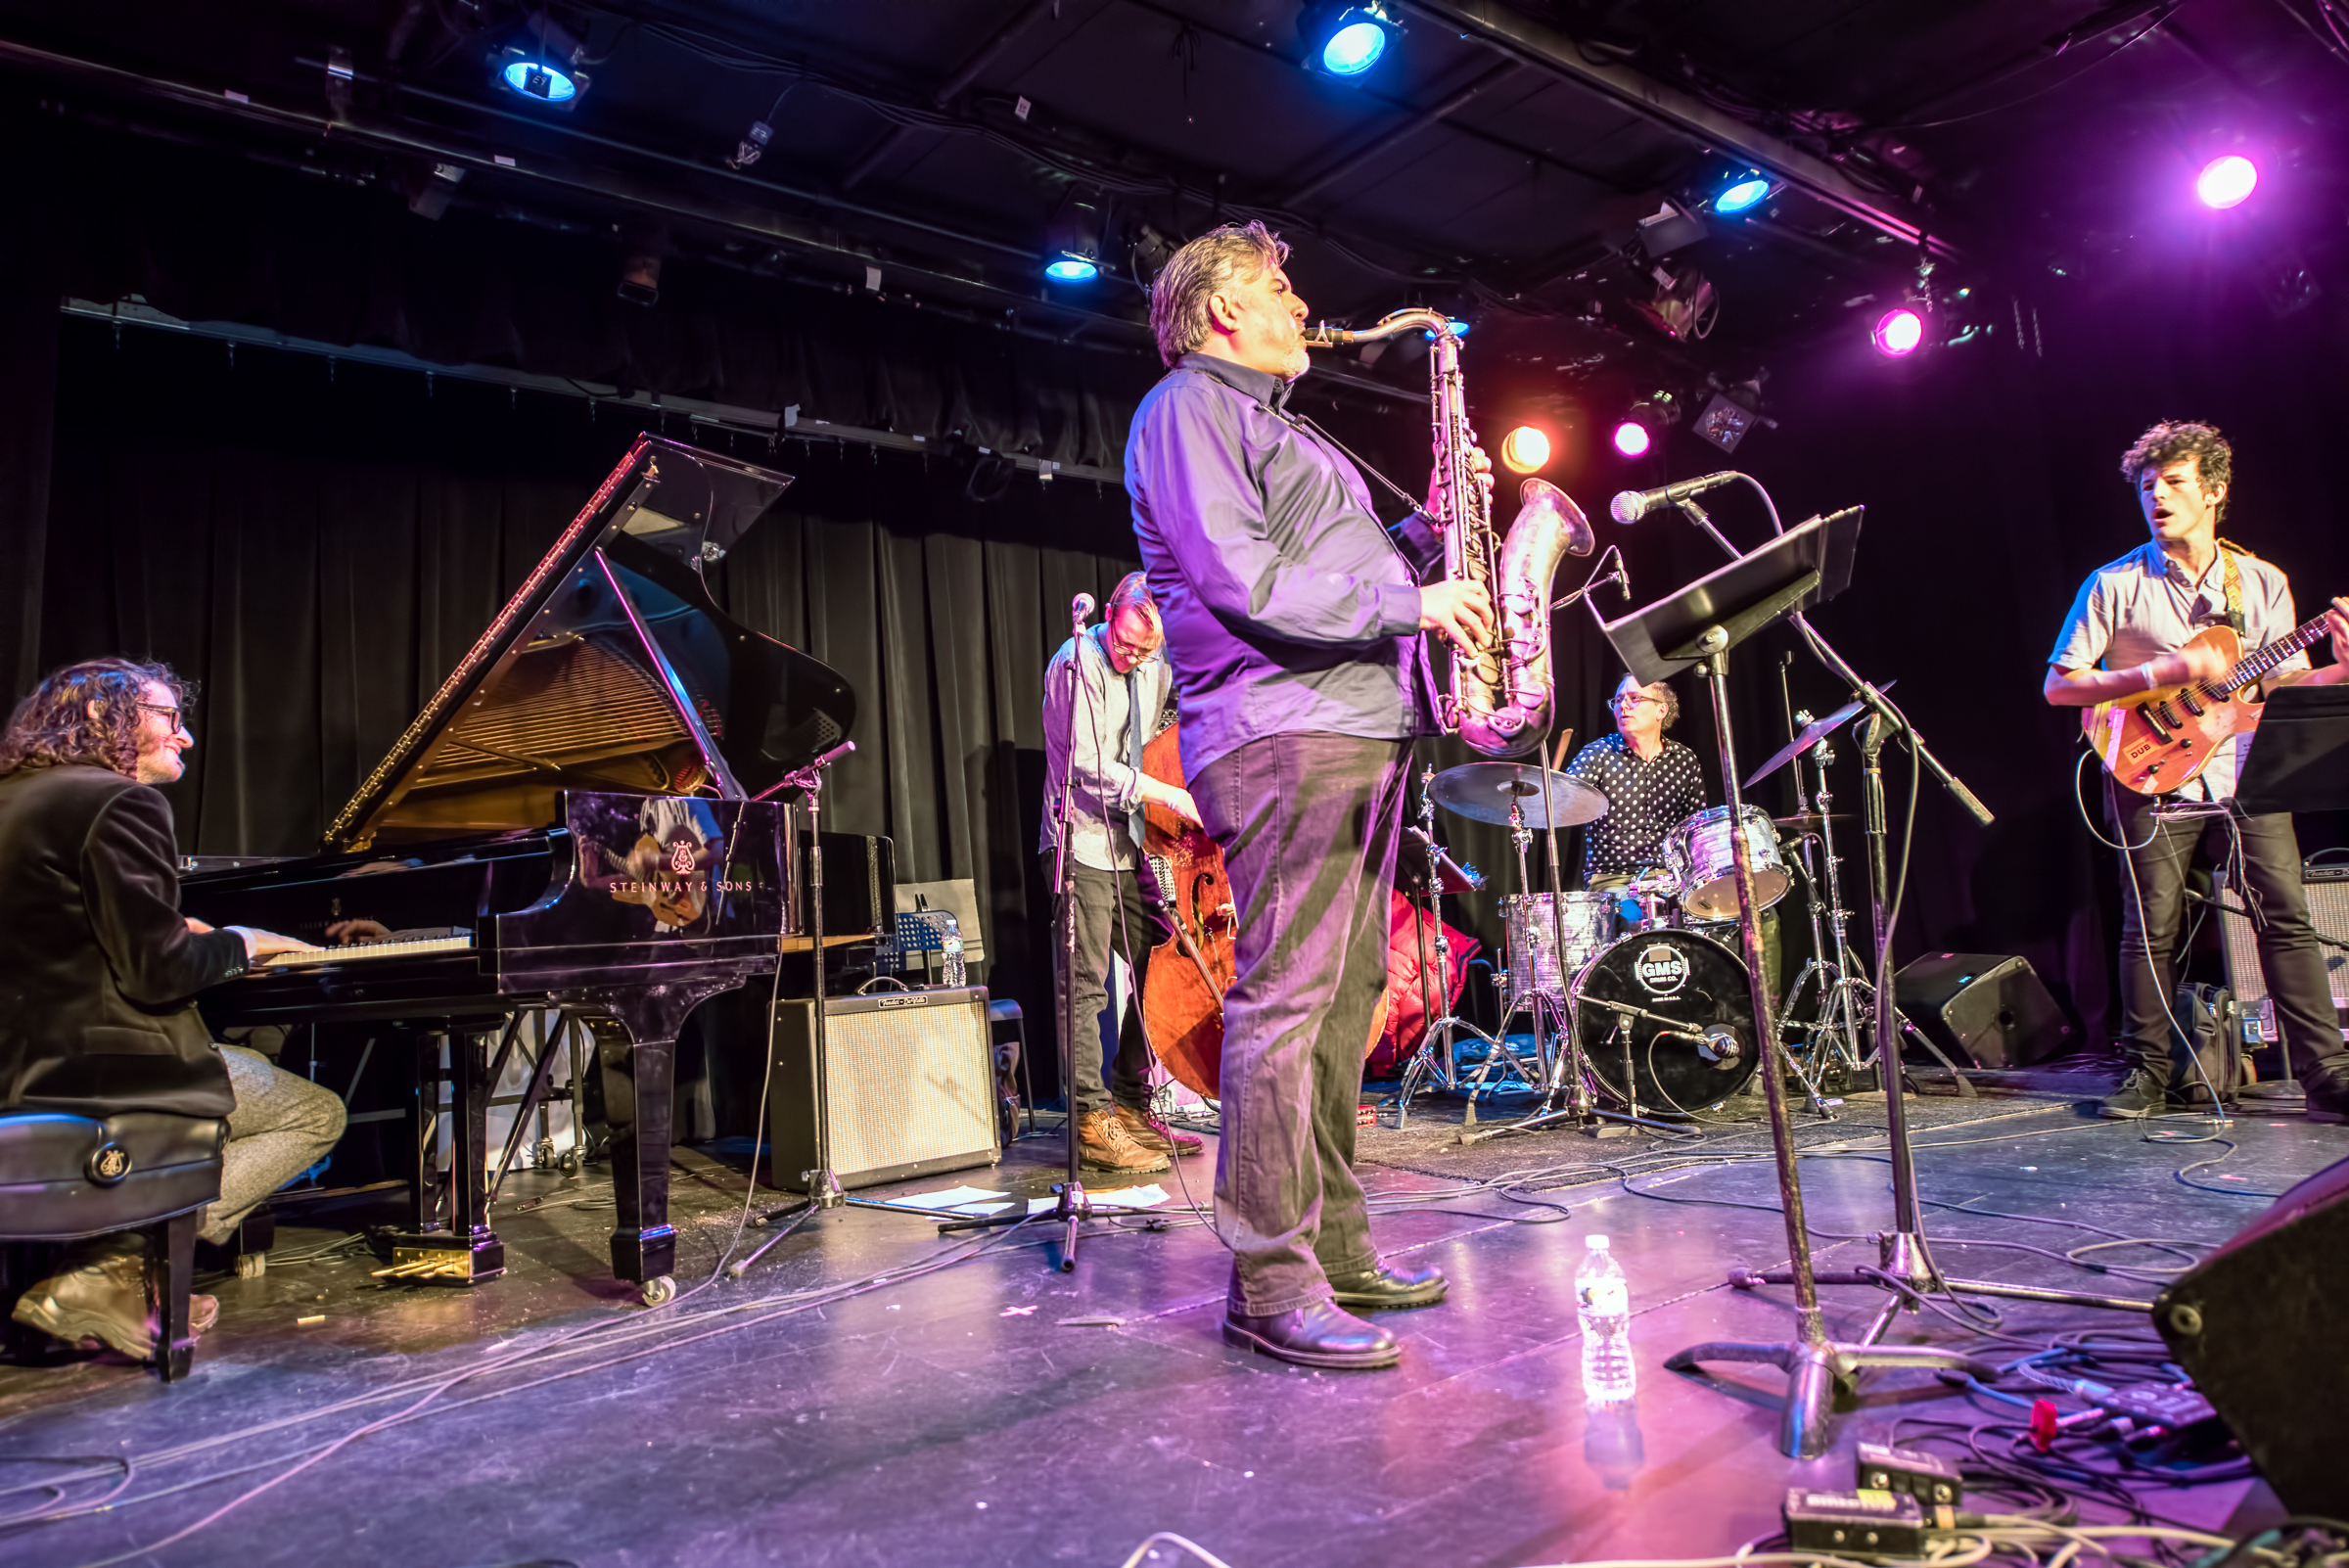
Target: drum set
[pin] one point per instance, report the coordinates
(1638, 999)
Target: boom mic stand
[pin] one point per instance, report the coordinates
(821, 1184)
(1072, 1206)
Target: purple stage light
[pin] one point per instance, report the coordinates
(1631, 439)
(2227, 181)
(1899, 332)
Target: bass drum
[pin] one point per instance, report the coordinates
(1681, 1005)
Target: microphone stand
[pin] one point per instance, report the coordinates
(1818, 1367)
(1072, 1206)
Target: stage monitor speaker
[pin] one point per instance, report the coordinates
(1985, 1009)
(2257, 1324)
(2327, 890)
(910, 1079)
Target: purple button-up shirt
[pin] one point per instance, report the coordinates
(1287, 607)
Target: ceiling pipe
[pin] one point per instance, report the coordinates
(1402, 133)
(953, 88)
(1538, 44)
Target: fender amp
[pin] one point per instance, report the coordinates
(2327, 890)
(2257, 1324)
(909, 1078)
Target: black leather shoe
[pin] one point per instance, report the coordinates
(1384, 1288)
(2327, 1096)
(1321, 1335)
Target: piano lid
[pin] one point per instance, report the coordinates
(611, 668)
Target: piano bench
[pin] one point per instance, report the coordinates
(71, 1177)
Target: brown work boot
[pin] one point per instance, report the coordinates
(1153, 1134)
(1104, 1145)
(104, 1301)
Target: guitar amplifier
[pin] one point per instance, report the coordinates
(2327, 888)
(909, 1078)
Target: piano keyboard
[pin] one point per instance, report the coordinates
(365, 949)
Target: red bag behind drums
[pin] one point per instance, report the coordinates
(1679, 1006)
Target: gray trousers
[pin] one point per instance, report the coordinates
(1308, 826)
(1111, 918)
(283, 1125)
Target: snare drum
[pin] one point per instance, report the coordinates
(1535, 968)
(1701, 851)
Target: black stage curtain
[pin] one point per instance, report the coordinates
(316, 546)
(317, 543)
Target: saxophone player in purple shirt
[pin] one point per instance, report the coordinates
(1292, 622)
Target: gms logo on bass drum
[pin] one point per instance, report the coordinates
(1663, 969)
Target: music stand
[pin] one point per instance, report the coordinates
(1697, 626)
(2299, 756)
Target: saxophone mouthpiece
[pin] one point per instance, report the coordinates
(1327, 338)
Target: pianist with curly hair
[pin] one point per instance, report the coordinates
(98, 969)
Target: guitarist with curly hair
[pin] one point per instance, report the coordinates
(2201, 623)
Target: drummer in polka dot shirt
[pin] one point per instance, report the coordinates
(1651, 784)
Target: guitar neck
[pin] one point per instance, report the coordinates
(2258, 664)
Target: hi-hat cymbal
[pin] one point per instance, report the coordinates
(1809, 822)
(1483, 792)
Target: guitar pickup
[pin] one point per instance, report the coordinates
(2169, 715)
(2185, 700)
(2153, 721)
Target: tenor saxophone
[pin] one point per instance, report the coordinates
(1499, 697)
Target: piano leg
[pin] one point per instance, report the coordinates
(466, 1251)
(631, 1084)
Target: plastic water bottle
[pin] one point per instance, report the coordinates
(1602, 1299)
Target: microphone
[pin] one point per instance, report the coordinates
(1080, 610)
(1631, 505)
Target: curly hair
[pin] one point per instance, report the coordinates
(2172, 440)
(1213, 260)
(1662, 688)
(55, 726)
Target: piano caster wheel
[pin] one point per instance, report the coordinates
(658, 1291)
(251, 1265)
(572, 1164)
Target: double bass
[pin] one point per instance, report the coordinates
(1183, 994)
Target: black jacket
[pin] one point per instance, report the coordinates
(96, 968)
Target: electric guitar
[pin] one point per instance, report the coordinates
(2153, 741)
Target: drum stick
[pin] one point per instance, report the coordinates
(1565, 739)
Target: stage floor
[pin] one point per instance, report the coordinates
(873, 1393)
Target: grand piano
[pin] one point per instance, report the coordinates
(581, 819)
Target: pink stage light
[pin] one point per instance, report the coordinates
(1899, 332)
(2227, 181)
(1631, 439)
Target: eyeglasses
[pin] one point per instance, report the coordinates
(172, 714)
(1634, 700)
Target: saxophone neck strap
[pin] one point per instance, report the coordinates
(1304, 424)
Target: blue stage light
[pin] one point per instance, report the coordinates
(541, 79)
(1747, 190)
(1345, 40)
(1354, 48)
(1070, 269)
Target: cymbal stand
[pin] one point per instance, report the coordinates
(1842, 996)
(1521, 838)
(1435, 1065)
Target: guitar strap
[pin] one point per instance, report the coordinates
(2234, 590)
